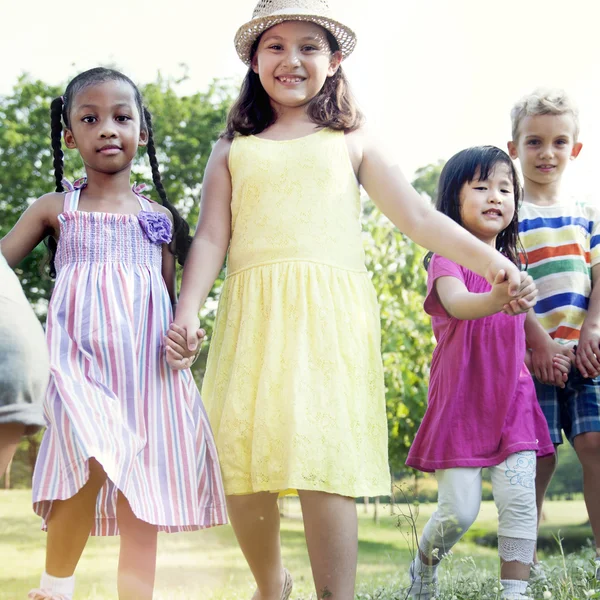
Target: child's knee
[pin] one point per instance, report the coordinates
(457, 518)
(587, 446)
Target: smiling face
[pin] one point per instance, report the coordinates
(105, 126)
(545, 144)
(293, 60)
(487, 206)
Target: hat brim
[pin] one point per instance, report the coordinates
(248, 33)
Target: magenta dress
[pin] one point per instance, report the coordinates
(112, 395)
(482, 405)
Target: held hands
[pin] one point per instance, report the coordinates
(510, 273)
(513, 302)
(550, 363)
(182, 344)
(527, 297)
(587, 356)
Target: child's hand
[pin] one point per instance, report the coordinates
(587, 357)
(510, 273)
(181, 348)
(551, 363)
(527, 297)
(500, 295)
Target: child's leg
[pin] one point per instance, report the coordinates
(513, 484)
(10, 436)
(583, 430)
(544, 472)
(137, 557)
(587, 446)
(331, 528)
(551, 399)
(255, 521)
(459, 499)
(70, 524)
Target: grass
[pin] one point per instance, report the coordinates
(209, 565)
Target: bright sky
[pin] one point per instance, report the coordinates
(435, 76)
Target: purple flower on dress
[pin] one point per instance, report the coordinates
(157, 226)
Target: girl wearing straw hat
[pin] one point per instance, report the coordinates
(294, 381)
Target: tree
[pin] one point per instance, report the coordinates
(400, 280)
(426, 179)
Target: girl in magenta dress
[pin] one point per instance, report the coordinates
(482, 409)
(128, 449)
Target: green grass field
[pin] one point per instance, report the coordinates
(208, 564)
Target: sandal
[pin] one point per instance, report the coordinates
(288, 584)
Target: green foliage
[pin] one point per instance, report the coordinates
(568, 477)
(426, 179)
(400, 282)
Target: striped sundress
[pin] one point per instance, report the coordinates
(112, 395)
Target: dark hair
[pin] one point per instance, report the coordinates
(479, 162)
(334, 106)
(59, 117)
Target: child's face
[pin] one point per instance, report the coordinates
(487, 207)
(545, 145)
(105, 126)
(293, 60)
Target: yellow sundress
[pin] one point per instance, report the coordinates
(294, 381)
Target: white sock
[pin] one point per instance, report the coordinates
(58, 585)
(512, 588)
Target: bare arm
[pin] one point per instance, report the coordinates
(588, 348)
(36, 223)
(396, 198)
(211, 241)
(462, 304)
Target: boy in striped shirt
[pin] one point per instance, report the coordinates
(562, 242)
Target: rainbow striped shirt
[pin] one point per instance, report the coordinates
(562, 242)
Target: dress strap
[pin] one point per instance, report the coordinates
(144, 202)
(71, 200)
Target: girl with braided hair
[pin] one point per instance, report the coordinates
(128, 448)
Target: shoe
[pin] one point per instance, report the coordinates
(538, 573)
(424, 585)
(38, 594)
(288, 584)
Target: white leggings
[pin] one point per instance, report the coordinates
(459, 499)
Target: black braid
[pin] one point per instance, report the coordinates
(56, 126)
(56, 109)
(181, 230)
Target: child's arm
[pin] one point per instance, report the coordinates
(36, 223)
(550, 361)
(207, 254)
(587, 357)
(383, 180)
(462, 304)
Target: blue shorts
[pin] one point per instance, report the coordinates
(574, 409)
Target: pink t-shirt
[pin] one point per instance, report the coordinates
(482, 405)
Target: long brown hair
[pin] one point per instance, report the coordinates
(334, 106)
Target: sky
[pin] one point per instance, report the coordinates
(432, 76)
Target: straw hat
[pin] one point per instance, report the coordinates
(272, 12)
